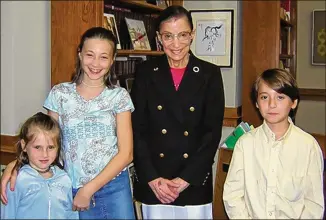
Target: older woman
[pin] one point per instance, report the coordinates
(177, 123)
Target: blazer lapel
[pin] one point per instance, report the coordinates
(163, 82)
(192, 80)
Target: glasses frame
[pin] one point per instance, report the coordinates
(176, 36)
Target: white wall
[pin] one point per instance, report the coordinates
(232, 77)
(309, 76)
(25, 61)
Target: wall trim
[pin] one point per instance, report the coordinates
(232, 116)
(312, 94)
(7, 148)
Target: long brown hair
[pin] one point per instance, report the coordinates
(110, 78)
(38, 122)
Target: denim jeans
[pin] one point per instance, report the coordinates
(112, 201)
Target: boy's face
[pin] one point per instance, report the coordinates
(273, 106)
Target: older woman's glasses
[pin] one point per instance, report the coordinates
(182, 36)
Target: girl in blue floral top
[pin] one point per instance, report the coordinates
(95, 117)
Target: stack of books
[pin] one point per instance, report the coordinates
(232, 139)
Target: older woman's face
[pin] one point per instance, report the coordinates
(176, 35)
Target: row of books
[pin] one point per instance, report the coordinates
(133, 30)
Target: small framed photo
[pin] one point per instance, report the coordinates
(126, 81)
(214, 36)
(162, 3)
(138, 34)
(110, 24)
(129, 82)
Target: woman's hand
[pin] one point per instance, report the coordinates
(7, 176)
(165, 190)
(182, 184)
(82, 200)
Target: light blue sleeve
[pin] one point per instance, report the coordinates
(70, 214)
(51, 102)
(9, 211)
(123, 102)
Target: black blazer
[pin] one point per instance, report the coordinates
(176, 133)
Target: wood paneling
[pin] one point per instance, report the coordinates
(232, 117)
(260, 46)
(313, 94)
(224, 159)
(69, 20)
(7, 150)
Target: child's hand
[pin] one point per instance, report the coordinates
(6, 177)
(82, 200)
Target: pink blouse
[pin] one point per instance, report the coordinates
(177, 75)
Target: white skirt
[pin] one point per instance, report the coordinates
(177, 212)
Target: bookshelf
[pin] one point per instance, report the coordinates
(269, 41)
(70, 19)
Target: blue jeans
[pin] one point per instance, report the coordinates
(112, 201)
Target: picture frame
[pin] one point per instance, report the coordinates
(213, 40)
(162, 3)
(318, 38)
(110, 24)
(138, 34)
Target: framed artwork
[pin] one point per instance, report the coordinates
(138, 35)
(162, 3)
(110, 24)
(318, 37)
(214, 36)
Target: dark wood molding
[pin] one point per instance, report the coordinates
(7, 150)
(312, 94)
(232, 117)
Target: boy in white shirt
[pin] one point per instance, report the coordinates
(276, 170)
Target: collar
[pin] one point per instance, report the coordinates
(269, 134)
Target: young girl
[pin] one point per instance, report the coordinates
(276, 169)
(43, 189)
(95, 118)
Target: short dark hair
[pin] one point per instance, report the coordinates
(281, 81)
(173, 11)
(95, 33)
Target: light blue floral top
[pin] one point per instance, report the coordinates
(89, 128)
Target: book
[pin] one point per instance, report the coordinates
(286, 4)
(110, 24)
(138, 35)
(232, 139)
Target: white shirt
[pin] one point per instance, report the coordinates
(274, 179)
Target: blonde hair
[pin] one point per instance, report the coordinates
(280, 81)
(39, 122)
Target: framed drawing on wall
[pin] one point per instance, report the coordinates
(214, 36)
(318, 37)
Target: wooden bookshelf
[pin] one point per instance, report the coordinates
(140, 52)
(286, 56)
(65, 34)
(141, 4)
(263, 28)
(285, 23)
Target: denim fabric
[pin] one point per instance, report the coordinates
(112, 201)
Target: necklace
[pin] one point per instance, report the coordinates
(44, 171)
(90, 86)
